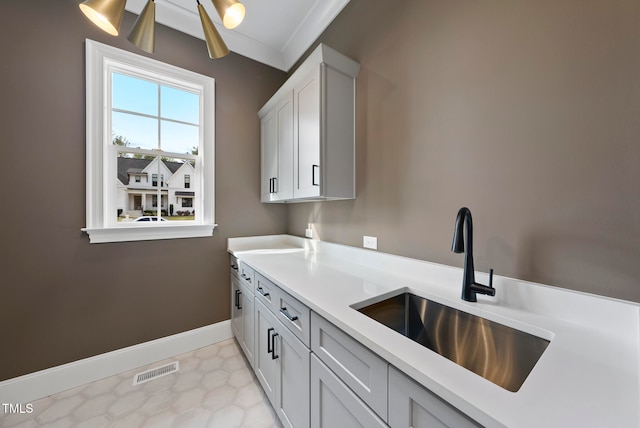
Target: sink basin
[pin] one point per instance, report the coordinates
(498, 353)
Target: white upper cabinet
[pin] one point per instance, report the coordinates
(308, 132)
(277, 151)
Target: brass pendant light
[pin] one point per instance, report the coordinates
(106, 14)
(215, 44)
(231, 12)
(143, 32)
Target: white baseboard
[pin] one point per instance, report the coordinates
(33, 386)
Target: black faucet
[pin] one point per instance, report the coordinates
(469, 285)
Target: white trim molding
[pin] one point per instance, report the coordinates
(101, 224)
(33, 386)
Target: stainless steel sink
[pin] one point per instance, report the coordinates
(500, 354)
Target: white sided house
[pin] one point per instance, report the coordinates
(139, 181)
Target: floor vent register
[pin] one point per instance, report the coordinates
(151, 374)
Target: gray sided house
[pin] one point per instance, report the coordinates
(141, 181)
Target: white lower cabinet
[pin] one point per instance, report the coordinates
(338, 383)
(282, 368)
(411, 405)
(242, 316)
(334, 405)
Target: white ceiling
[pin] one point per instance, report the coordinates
(274, 32)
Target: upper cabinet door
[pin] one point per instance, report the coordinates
(269, 155)
(283, 185)
(307, 174)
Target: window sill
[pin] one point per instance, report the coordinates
(148, 233)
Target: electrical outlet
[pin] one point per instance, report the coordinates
(308, 233)
(370, 242)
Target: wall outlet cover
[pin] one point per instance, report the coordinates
(308, 233)
(370, 242)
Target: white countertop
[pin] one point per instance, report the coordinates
(589, 375)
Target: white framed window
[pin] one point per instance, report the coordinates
(145, 117)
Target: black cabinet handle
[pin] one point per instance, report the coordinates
(246, 278)
(273, 346)
(284, 312)
(313, 174)
(261, 291)
(234, 267)
(270, 185)
(238, 293)
(269, 343)
(275, 180)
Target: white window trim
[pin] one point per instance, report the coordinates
(98, 134)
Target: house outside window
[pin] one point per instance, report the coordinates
(187, 202)
(146, 116)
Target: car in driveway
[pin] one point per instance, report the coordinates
(150, 218)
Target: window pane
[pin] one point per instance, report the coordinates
(179, 138)
(180, 105)
(162, 187)
(133, 94)
(130, 130)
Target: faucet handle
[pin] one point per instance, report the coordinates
(491, 278)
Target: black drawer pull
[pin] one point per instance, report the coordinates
(284, 312)
(269, 348)
(238, 293)
(261, 291)
(234, 267)
(313, 175)
(273, 346)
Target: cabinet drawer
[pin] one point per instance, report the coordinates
(264, 292)
(247, 274)
(293, 314)
(362, 370)
(233, 264)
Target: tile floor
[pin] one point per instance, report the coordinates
(215, 387)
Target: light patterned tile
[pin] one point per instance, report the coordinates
(161, 420)
(260, 416)
(241, 377)
(211, 364)
(65, 422)
(220, 397)
(159, 402)
(127, 404)
(188, 380)
(30, 423)
(215, 379)
(215, 387)
(227, 417)
(196, 418)
(94, 406)
(133, 420)
(100, 421)
(230, 350)
(189, 400)
(59, 409)
(249, 395)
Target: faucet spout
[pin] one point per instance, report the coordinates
(464, 243)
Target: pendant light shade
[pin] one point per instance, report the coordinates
(106, 14)
(215, 44)
(143, 32)
(231, 12)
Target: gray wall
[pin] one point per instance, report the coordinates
(62, 299)
(527, 112)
